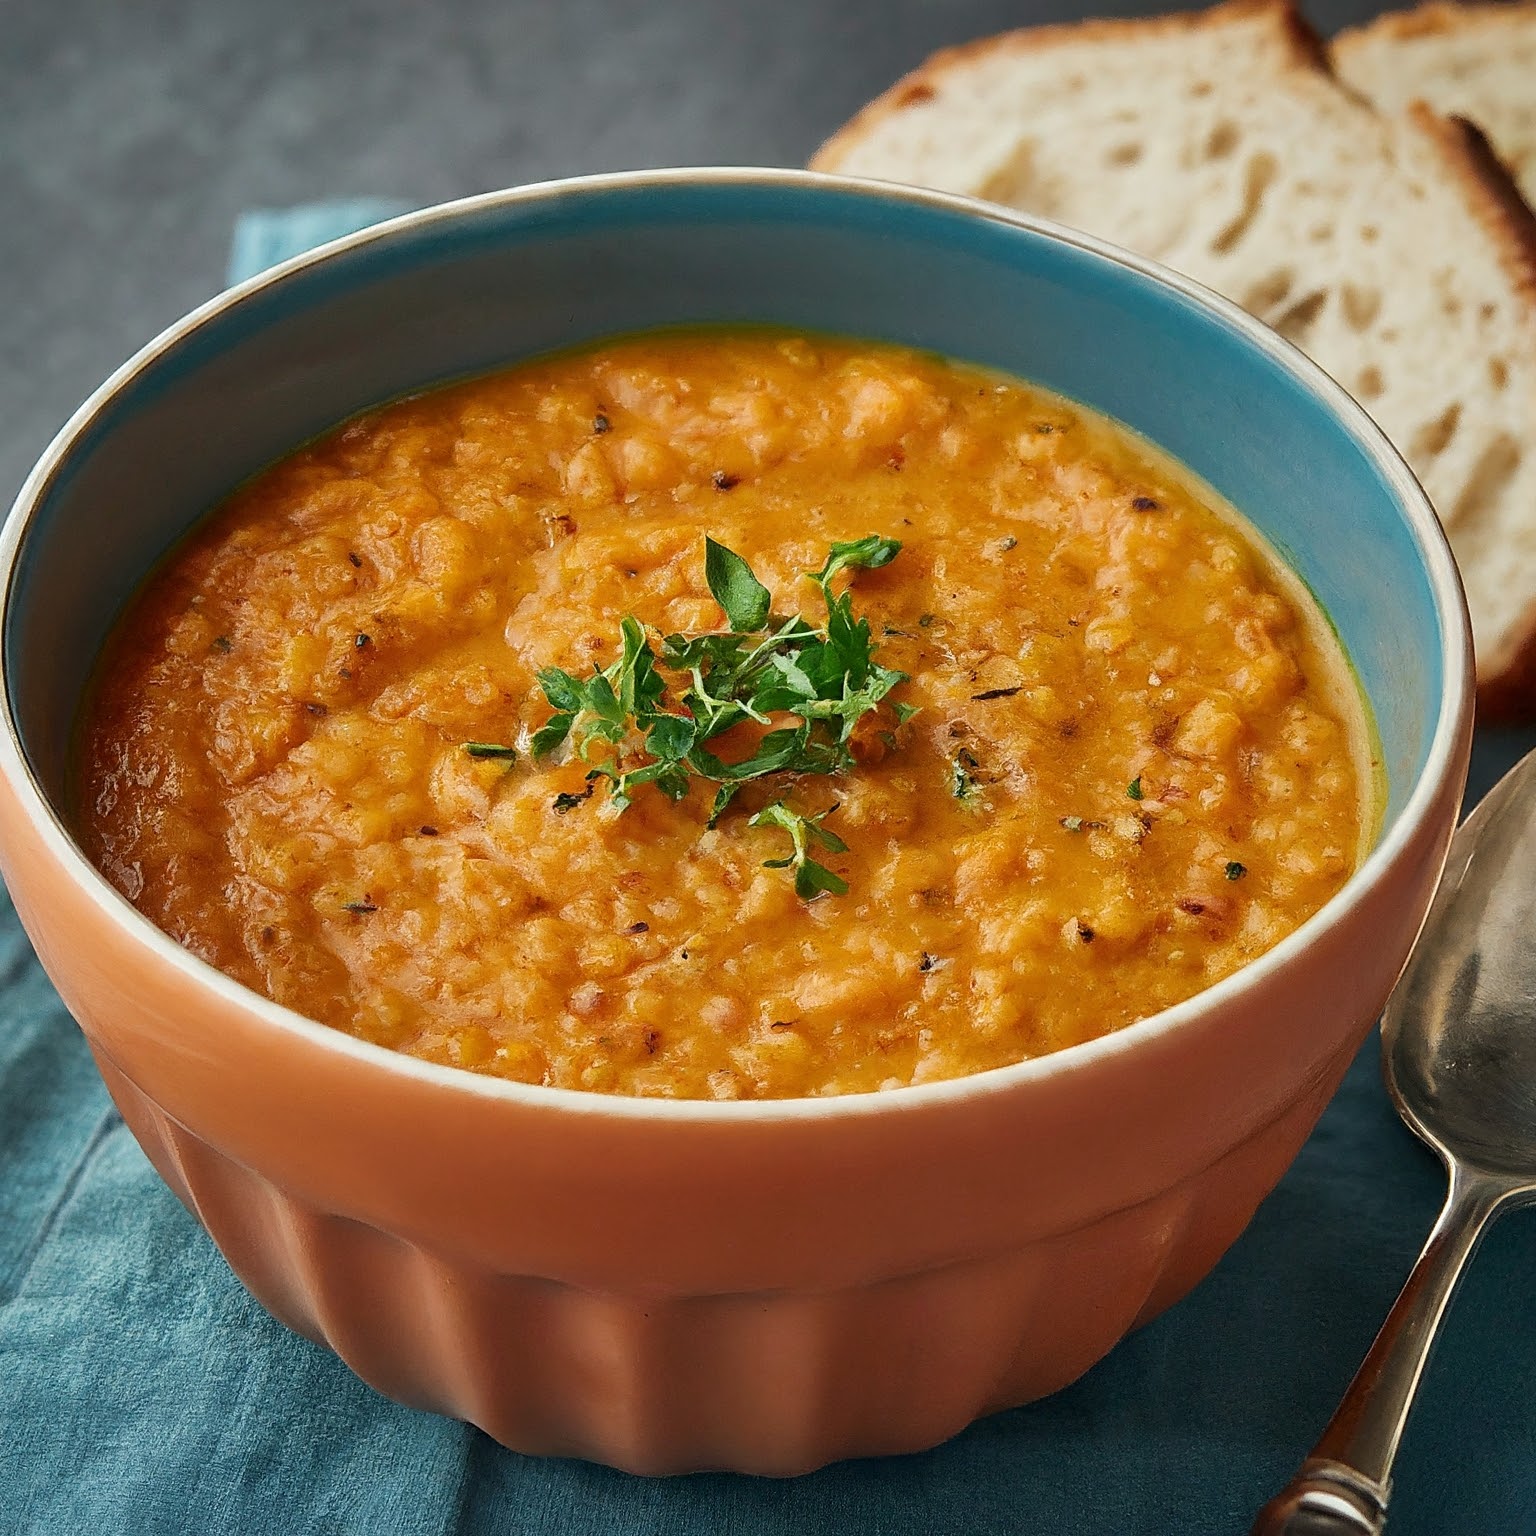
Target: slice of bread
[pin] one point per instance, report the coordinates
(1391, 247)
(1477, 61)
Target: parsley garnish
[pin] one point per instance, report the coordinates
(1133, 789)
(811, 878)
(623, 721)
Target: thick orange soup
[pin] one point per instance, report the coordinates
(726, 715)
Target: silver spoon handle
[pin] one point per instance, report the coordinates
(1342, 1487)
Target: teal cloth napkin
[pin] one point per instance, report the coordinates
(142, 1390)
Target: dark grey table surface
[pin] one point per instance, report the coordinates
(132, 132)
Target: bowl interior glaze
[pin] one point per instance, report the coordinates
(477, 285)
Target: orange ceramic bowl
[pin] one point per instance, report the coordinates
(759, 1286)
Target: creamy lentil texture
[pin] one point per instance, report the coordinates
(1138, 758)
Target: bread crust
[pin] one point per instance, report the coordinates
(1506, 680)
(1482, 22)
(1307, 49)
(1506, 689)
(1436, 18)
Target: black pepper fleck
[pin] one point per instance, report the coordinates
(362, 641)
(361, 906)
(601, 424)
(723, 481)
(355, 558)
(1146, 504)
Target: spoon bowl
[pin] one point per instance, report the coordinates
(1459, 1034)
(1459, 1057)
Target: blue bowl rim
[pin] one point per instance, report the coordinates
(1451, 727)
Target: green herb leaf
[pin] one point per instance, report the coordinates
(490, 749)
(744, 598)
(795, 678)
(867, 554)
(723, 798)
(779, 815)
(1236, 871)
(672, 781)
(1133, 789)
(550, 735)
(640, 685)
(828, 840)
(811, 879)
(562, 690)
(670, 737)
(603, 701)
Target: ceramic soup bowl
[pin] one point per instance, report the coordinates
(763, 1286)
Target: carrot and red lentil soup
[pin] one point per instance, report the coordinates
(728, 715)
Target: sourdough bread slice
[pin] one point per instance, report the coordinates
(1477, 61)
(1391, 247)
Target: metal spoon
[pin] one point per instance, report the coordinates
(1458, 1045)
